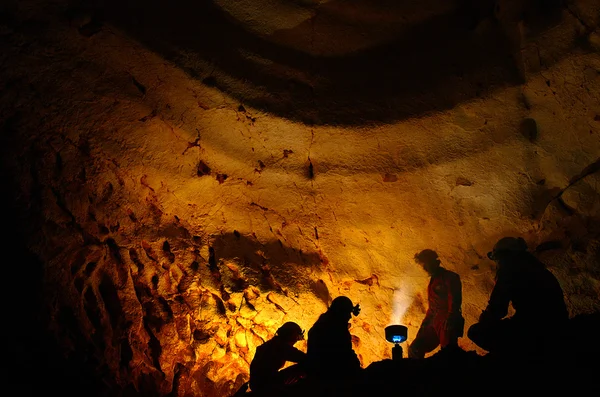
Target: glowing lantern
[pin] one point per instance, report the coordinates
(396, 334)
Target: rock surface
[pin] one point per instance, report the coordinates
(187, 176)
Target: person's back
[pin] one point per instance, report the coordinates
(329, 348)
(444, 292)
(535, 293)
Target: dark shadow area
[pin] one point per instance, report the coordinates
(568, 368)
(434, 65)
(241, 261)
(35, 362)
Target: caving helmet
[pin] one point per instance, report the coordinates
(290, 331)
(343, 305)
(506, 245)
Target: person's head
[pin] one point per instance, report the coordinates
(290, 332)
(343, 308)
(507, 248)
(428, 260)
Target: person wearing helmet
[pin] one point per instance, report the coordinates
(329, 349)
(266, 375)
(443, 323)
(536, 297)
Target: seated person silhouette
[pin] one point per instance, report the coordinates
(329, 350)
(266, 375)
(443, 323)
(536, 296)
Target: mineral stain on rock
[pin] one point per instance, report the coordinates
(167, 251)
(529, 129)
(390, 178)
(221, 178)
(202, 169)
(462, 181)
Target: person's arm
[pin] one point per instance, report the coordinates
(341, 346)
(352, 356)
(428, 319)
(429, 314)
(455, 323)
(497, 307)
(294, 355)
(454, 296)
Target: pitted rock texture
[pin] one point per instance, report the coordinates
(183, 209)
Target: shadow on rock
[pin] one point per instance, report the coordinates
(243, 261)
(432, 64)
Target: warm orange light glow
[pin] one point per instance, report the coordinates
(185, 196)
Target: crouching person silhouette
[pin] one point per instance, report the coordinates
(443, 323)
(266, 376)
(536, 296)
(331, 358)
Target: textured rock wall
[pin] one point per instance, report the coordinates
(181, 219)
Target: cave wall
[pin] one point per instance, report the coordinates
(180, 210)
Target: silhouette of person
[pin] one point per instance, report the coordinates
(443, 323)
(330, 354)
(535, 294)
(266, 375)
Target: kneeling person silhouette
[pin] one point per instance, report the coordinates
(266, 375)
(536, 296)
